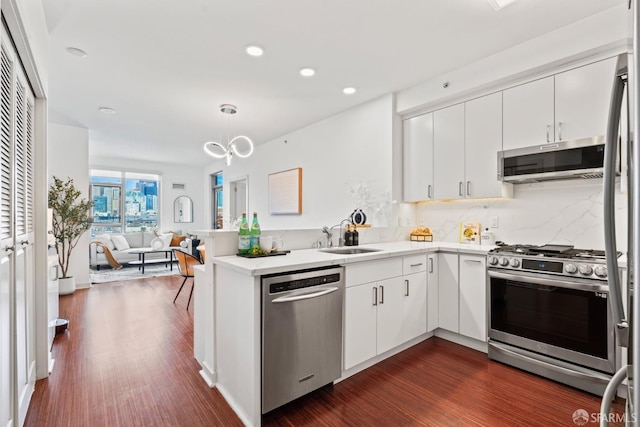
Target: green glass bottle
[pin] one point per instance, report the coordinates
(255, 233)
(244, 236)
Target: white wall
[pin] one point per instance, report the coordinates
(171, 173)
(338, 155)
(68, 154)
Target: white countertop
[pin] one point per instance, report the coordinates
(312, 258)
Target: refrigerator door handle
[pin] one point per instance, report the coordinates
(610, 393)
(610, 158)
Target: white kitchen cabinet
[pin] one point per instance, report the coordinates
(360, 324)
(448, 153)
(473, 296)
(448, 292)
(582, 97)
(483, 141)
(570, 105)
(418, 158)
(414, 302)
(432, 292)
(389, 320)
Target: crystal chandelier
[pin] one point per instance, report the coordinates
(219, 150)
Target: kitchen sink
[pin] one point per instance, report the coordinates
(349, 251)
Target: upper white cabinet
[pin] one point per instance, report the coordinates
(418, 158)
(483, 140)
(570, 105)
(448, 153)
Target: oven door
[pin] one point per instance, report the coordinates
(558, 317)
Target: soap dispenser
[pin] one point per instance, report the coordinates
(356, 237)
(348, 236)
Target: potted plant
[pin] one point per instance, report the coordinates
(71, 218)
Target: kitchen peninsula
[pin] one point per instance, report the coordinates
(227, 320)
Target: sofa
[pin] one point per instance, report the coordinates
(123, 246)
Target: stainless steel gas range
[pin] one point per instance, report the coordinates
(549, 313)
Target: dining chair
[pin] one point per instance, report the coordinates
(185, 269)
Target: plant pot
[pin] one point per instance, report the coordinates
(66, 285)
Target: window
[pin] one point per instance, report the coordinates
(124, 201)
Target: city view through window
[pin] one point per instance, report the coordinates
(136, 211)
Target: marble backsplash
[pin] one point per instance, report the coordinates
(560, 212)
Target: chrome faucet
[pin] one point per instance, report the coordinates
(326, 230)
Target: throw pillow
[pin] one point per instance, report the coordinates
(176, 239)
(157, 244)
(120, 242)
(105, 239)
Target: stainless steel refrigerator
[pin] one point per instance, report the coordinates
(624, 101)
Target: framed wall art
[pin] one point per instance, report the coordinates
(285, 192)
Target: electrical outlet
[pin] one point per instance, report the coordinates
(495, 222)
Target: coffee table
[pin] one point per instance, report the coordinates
(142, 260)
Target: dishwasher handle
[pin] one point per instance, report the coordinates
(305, 296)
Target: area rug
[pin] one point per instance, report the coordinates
(105, 275)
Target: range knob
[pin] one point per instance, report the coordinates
(601, 271)
(504, 262)
(585, 270)
(514, 262)
(493, 260)
(571, 268)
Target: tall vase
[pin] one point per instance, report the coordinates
(66, 285)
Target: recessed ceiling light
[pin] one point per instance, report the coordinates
(307, 72)
(107, 110)
(254, 50)
(499, 4)
(77, 52)
(349, 90)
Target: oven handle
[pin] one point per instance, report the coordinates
(544, 281)
(570, 372)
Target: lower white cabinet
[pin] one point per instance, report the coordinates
(373, 320)
(448, 292)
(473, 296)
(432, 292)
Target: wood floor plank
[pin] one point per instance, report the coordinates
(127, 360)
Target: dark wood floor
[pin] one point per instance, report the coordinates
(127, 360)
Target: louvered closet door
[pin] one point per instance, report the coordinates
(24, 236)
(6, 238)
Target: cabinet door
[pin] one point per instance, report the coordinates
(582, 97)
(448, 153)
(483, 140)
(473, 297)
(448, 292)
(418, 158)
(432, 292)
(528, 114)
(389, 323)
(360, 324)
(414, 306)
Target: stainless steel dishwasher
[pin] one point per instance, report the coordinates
(301, 333)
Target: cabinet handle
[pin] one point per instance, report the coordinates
(24, 242)
(406, 288)
(415, 265)
(548, 132)
(429, 191)
(381, 294)
(460, 188)
(430, 265)
(468, 188)
(9, 248)
(559, 131)
(375, 295)
(474, 260)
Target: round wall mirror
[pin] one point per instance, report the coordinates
(183, 209)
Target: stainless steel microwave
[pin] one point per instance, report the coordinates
(583, 158)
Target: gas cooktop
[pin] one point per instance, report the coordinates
(563, 260)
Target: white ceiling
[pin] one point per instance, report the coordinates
(166, 65)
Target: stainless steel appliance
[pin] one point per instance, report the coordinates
(549, 313)
(560, 160)
(301, 333)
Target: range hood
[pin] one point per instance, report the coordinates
(583, 158)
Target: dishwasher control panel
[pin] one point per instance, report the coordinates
(292, 285)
